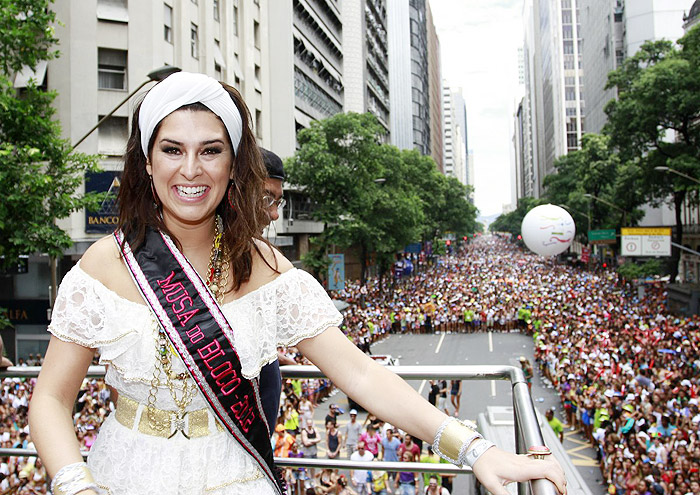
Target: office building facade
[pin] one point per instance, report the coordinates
(366, 59)
(409, 74)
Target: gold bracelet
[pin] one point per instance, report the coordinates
(453, 438)
(72, 479)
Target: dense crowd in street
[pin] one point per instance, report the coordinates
(627, 372)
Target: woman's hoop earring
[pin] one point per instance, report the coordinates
(229, 195)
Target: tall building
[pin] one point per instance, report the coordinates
(693, 16)
(108, 49)
(614, 30)
(365, 58)
(305, 67)
(306, 83)
(409, 74)
(455, 134)
(434, 91)
(460, 118)
(527, 177)
(553, 81)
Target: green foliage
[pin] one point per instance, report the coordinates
(371, 194)
(446, 207)
(26, 33)
(40, 174)
(316, 259)
(593, 172)
(511, 222)
(653, 123)
(632, 271)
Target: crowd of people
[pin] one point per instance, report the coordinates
(626, 369)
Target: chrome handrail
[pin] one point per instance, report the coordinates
(527, 429)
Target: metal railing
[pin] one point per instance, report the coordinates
(527, 429)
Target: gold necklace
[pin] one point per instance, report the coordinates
(217, 282)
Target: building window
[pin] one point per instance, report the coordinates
(257, 84)
(111, 69)
(256, 34)
(168, 23)
(194, 41)
(235, 20)
(258, 123)
(113, 10)
(219, 62)
(112, 136)
(619, 57)
(196, 2)
(216, 10)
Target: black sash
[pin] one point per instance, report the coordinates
(194, 323)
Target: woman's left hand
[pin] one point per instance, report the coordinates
(496, 468)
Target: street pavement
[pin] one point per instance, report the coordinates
(476, 349)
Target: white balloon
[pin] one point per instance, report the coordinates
(548, 230)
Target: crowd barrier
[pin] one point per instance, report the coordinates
(527, 430)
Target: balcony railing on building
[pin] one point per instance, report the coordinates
(526, 427)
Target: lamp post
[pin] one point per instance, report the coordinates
(154, 75)
(605, 201)
(588, 215)
(612, 205)
(674, 171)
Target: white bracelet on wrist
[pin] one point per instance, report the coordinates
(472, 455)
(72, 479)
(453, 438)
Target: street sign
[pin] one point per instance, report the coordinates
(336, 272)
(642, 241)
(585, 254)
(603, 236)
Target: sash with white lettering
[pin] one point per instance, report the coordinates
(194, 323)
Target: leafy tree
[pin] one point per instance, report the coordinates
(373, 195)
(511, 221)
(26, 34)
(588, 181)
(446, 207)
(40, 174)
(654, 122)
(358, 186)
(632, 271)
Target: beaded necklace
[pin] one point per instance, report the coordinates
(217, 280)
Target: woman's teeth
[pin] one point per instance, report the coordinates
(191, 192)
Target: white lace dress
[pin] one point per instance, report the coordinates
(125, 461)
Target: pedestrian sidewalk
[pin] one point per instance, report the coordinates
(581, 452)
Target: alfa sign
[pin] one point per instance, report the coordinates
(646, 242)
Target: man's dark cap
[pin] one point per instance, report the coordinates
(273, 164)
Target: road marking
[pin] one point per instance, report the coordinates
(493, 388)
(442, 337)
(420, 389)
(490, 341)
(582, 454)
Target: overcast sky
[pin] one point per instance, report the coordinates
(479, 40)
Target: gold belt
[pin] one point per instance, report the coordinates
(193, 424)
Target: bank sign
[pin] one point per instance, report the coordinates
(104, 220)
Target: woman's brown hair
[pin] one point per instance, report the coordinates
(139, 210)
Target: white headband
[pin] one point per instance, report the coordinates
(185, 88)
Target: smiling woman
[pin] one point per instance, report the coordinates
(190, 165)
(186, 303)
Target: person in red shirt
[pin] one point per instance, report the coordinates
(409, 445)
